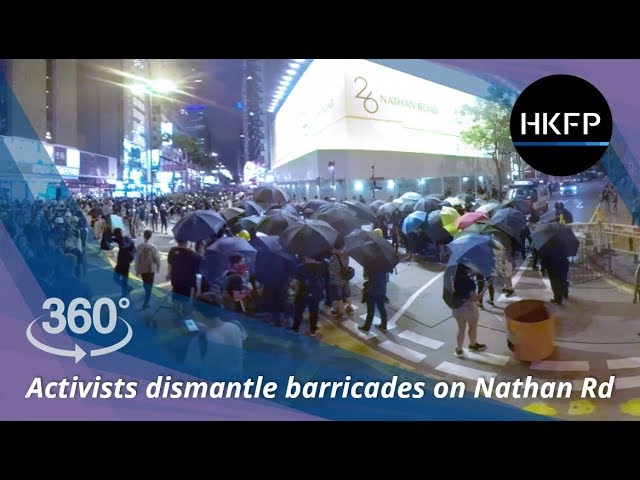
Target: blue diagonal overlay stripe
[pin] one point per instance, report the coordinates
(561, 144)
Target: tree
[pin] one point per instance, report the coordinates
(490, 131)
(190, 147)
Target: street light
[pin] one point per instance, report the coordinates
(214, 154)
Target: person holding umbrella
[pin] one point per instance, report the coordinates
(338, 277)
(464, 309)
(310, 284)
(374, 295)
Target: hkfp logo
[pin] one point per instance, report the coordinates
(561, 125)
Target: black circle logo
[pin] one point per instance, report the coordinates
(561, 125)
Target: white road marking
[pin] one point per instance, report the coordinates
(622, 383)
(412, 298)
(464, 372)
(403, 352)
(486, 357)
(499, 317)
(561, 366)
(618, 363)
(421, 340)
(547, 282)
(515, 281)
(353, 326)
(376, 320)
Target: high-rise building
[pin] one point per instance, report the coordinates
(253, 113)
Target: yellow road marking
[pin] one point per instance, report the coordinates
(541, 408)
(581, 407)
(631, 407)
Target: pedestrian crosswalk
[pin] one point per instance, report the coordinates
(464, 371)
(402, 351)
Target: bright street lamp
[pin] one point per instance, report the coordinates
(214, 154)
(163, 85)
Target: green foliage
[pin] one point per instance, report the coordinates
(490, 131)
(190, 147)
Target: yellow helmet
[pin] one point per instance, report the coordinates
(378, 232)
(244, 234)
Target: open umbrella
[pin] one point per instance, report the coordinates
(434, 229)
(427, 204)
(413, 222)
(554, 238)
(410, 197)
(376, 204)
(468, 219)
(309, 238)
(453, 201)
(438, 196)
(371, 251)
(510, 221)
(270, 194)
(231, 212)
(332, 206)
(198, 225)
(474, 251)
(273, 263)
(387, 209)
(488, 207)
(216, 257)
(250, 224)
(448, 215)
(407, 207)
(250, 207)
(520, 205)
(276, 222)
(344, 221)
(314, 204)
(362, 211)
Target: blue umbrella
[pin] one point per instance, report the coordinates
(216, 257)
(473, 251)
(274, 265)
(199, 225)
(414, 222)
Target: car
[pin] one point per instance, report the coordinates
(531, 192)
(568, 187)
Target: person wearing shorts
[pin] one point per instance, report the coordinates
(465, 311)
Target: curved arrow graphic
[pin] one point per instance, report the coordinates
(78, 353)
(115, 346)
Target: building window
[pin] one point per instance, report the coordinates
(4, 99)
(49, 106)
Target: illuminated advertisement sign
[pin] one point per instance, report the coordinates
(166, 130)
(361, 105)
(97, 166)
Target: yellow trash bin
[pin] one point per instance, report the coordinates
(531, 330)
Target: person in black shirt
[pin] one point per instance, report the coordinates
(184, 265)
(126, 254)
(464, 309)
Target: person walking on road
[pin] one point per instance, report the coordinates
(126, 255)
(465, 311)
(374, 295)
(310, 283)
(557, 266)
(147, 264)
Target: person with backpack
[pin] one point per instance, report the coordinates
(147, 263)
(374, 295)
(310, 285)
(126, 255)
(339, 275)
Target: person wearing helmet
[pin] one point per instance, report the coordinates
(378, 232)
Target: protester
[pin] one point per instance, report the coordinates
(126, 255)
(183, 268)
(310, 284)
(465, 311)
(374, 295)
(147, 264)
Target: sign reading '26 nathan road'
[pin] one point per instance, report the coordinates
(561, 125)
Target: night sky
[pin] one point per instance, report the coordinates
(223, 85)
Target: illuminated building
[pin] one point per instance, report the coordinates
(344, 117)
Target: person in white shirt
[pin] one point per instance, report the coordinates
(147, 263)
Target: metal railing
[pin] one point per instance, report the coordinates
(599, 243)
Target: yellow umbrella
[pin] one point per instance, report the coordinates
(448, 215)
(451, 228)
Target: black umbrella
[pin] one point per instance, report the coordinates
(375, 205)
(371, 251)
(250, 224)
(231, 212)
(314, 204)
(438, 196)
(250, 207)
(554, 239)
(452, 275)
(276, 222)
(270, 194)
(309, 238)
(510, 221)
(407, 207)
(387, 209)
(273, 263)
(344, 220)
(435, 230)
(199, 225)
(427, 204)
(362, 211)
(520, 205)
(332, 206)
(216, 257)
